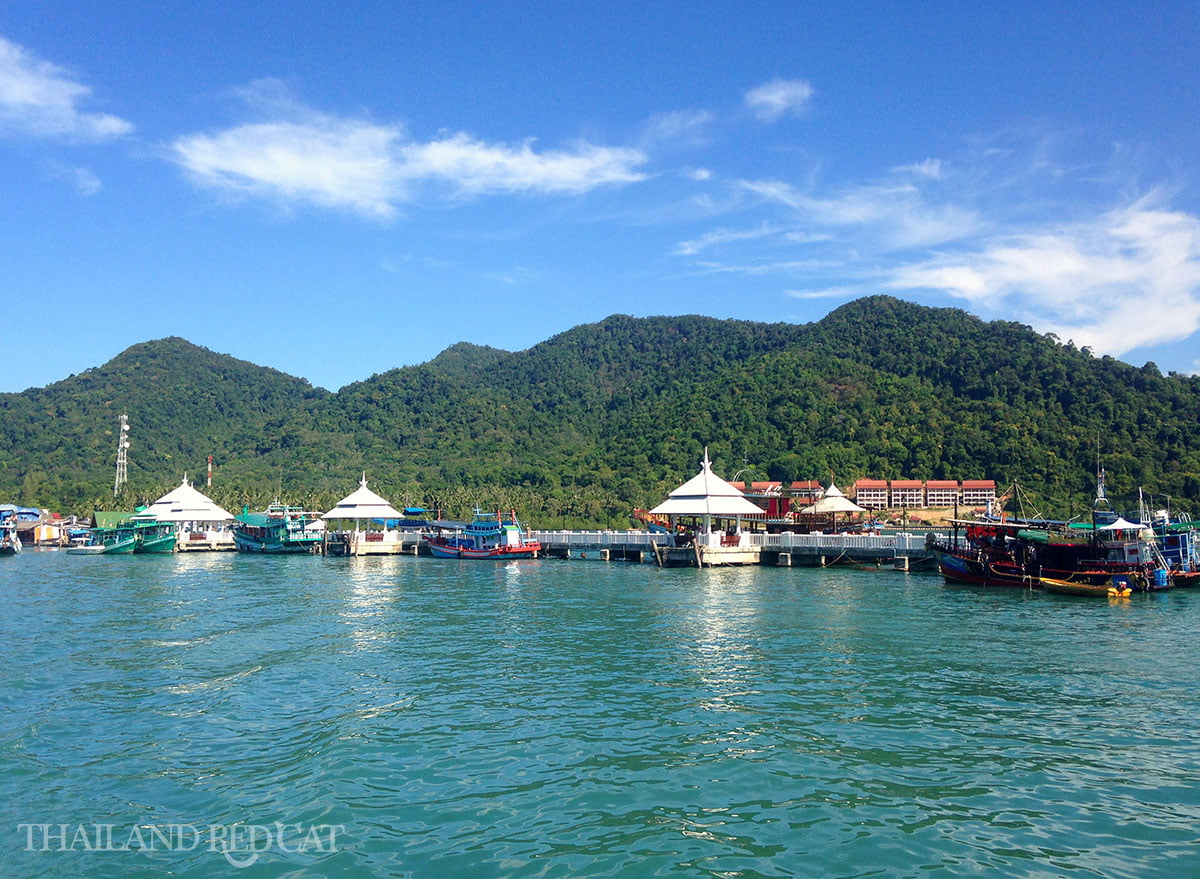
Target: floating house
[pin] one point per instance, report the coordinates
(358, 526)
(713, 509)
(201, 524)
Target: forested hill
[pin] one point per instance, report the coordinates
(604, 417)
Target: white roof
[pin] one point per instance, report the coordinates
(707, 494)
(184, 504)
(362, 503)
(1122, 524)
(833, 501)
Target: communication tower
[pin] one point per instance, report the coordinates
(122, 456)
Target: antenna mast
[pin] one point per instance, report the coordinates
(122, 456)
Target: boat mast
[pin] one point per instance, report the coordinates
(122, 456)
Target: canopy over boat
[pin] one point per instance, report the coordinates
(363, 503)
(1122, 524)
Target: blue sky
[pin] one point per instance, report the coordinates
(341, 190)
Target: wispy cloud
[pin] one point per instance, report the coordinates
(39, 99)
(778, 98)
(900, 214)
(842, 292)
(721, 236)
(931, 168)
(681, 126)
(1010, 229)
(1129, 278)
(369, 168)
(474, 167)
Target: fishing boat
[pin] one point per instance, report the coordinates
(1117, 589)
(1024, 553)
(118, 540)
(10, 541)
(279, 529)
(154, 537)
(488, 536)
(1180, 539)
(86, 549)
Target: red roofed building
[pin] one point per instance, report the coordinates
(805, 493)
(871, 493)
(941, 492)
(907, 493)
(978, 492)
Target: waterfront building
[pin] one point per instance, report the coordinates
(907, 494)
(871, 494)
(978, 492)
(805, 493)
(942, 493)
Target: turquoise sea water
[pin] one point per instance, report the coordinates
(418, 717)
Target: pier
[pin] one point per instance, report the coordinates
(903, 551)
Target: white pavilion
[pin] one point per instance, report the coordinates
(717, 509)
(366, 512)
(202, 524)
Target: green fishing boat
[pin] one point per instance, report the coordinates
(155, 537)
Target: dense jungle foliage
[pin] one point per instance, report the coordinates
(606, 417)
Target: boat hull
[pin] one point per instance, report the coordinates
(164, 543)
(246, 543)
(1096, 590)
(447, 550)
(959, 568)
(120, 547)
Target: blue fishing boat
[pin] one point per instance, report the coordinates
(488, 536)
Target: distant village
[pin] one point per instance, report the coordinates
(911, 500)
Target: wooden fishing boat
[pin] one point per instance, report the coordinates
(488, 536)
(279, 529)
(1117, 589)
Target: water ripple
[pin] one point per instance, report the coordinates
(567, 719)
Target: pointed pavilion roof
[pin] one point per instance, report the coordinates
(362, 503)
(184, 504)
(707, 494)
(833, 501)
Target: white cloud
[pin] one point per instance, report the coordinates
(931, 168)
(843, 292)
(331, 164)
(778, 98)
(476, 167)
(370, 169)
(721, 236)
(898, 213)
(1130, 278)
(86, 183)
(39, 99)
(687, 126)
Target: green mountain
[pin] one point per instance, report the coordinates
(604, 417)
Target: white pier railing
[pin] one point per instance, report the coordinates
(902, 544)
